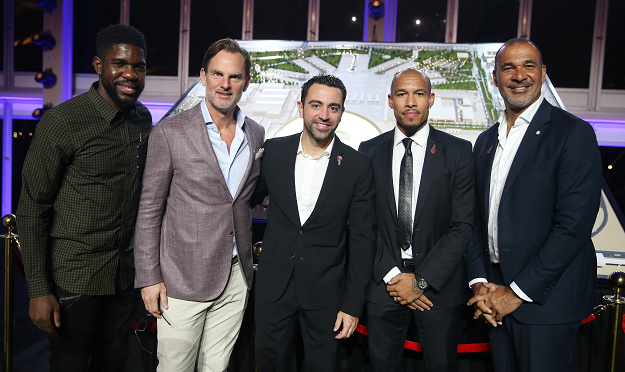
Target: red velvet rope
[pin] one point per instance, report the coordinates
(411, 345)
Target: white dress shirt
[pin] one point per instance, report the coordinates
(418, 146)
(309, 175)
(233, 163)
(504, 156)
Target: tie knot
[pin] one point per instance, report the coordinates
(407, 142)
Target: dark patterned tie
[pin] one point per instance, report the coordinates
(404, 207)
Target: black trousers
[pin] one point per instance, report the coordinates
(438, 328)
(276, 327)
(94, 331)
(519, 347)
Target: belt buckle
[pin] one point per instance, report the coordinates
(235, 259)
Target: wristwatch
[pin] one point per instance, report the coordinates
(421, 283)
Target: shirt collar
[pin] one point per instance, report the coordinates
(325, 154)
(526, 117)
(209, 120)
(420, 138)
(105, 109)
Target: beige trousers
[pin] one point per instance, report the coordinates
(202, 333)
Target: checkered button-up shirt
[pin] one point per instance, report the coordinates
(80, 193)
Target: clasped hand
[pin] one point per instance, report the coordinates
(493, 302)
(404, 290)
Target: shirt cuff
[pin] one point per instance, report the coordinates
(391, 274)
(477, 280)
(519, 292)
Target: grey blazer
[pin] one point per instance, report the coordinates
(187, 215)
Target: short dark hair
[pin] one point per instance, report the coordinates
(519, 40)
(327, 80)
(229, 46)
(119, 34)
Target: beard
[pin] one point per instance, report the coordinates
(318, 136)
(211, 97)
(125, 104)
(519, 101)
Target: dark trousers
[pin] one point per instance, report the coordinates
(438, 328)
(276, 327)
(519, 347)
(94, 331)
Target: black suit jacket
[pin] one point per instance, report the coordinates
(443, 221)
(546, 214)
(327, 274)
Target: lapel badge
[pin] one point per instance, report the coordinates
(338, 159)
(433, 149)
(488, 151)
(537, 132)
(140, 138)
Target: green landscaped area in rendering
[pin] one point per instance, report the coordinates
(332, 59)
(488, 99)
(465, 85)
(276, 53)
(290, 66)
(379, 56)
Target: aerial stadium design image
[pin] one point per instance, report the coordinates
(467, 101)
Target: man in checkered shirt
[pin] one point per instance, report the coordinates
(77, 209)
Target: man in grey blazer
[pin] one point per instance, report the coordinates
(193, 234)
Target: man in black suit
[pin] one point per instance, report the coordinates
(425, 200)
(538, 184)
(308, 274)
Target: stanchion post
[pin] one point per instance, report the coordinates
(9, 238)
(615, 322)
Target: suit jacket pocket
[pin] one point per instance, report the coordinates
(441, 177)
(329, 256)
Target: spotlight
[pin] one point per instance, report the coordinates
(45, 40)
(46, 77)
(376, 9)
(38, 113)
(47, 5)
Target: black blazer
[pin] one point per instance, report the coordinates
(547, 211)
(443, 221)
(327, 274)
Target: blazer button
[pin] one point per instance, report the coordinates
(293, 255)
(231, 233)
(301, 232)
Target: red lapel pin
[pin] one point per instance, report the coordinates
(488, 151)
(339, 158)
(433, 149)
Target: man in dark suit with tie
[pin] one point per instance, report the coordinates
(425, 200)
(532, 264)
(309, 274)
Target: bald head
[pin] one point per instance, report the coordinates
(411, 72)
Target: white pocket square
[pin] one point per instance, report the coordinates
(259, 153)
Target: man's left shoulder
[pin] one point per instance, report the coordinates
(356, 155)
(142, 116)
(450, 141)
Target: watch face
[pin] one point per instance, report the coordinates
(422, 284)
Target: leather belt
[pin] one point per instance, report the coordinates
(408, 265)
(235, 259)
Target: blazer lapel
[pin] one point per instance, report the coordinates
(332, 174)
(289, 183)
(531, 137)
(385, 161)
(198, 134)
(252, 136)
(491, 147)
(430, 165)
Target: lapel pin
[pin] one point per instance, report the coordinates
(537, 132)
(433, 149)
(488, 151)
(140, 138)
(338, 159)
